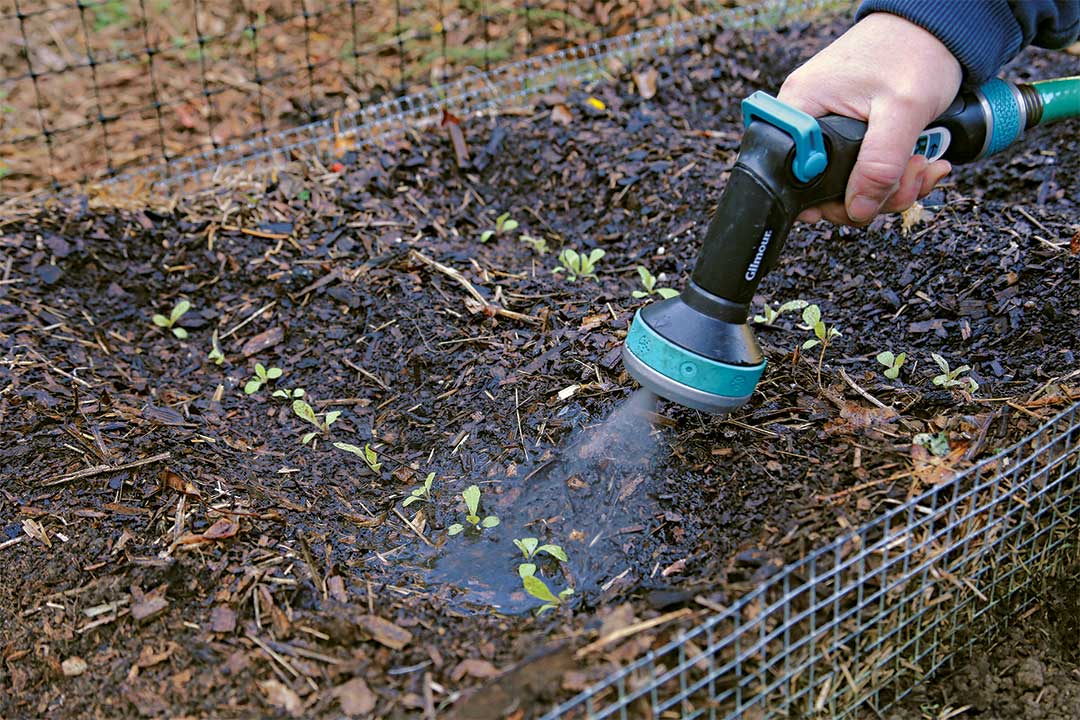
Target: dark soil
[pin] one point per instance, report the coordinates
(1033, 672)
(172, 548)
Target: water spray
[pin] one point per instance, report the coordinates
(697, 349)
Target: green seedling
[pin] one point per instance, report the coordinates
(369, 456)
(531, 547)
(216, 356)
(263, 375)
(471, 495)
(769, 315)
(539, 589)
(420, 494)
(892, 363)
(936, 443)
(823, 335)
(305, 412)
(576, 264)
(951, 378)
(648, 281)
(503, 223)
(169, 323)
(539, 244)
(287, 394)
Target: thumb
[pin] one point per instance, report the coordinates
(890, 137)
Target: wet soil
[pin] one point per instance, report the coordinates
(172, 547)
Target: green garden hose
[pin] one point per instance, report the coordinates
(1060, 98)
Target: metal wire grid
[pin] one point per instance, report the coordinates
(472, 94)
(865, 618)
(102, 83)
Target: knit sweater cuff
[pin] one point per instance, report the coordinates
(983, 37)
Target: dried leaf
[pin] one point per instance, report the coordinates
(1074, 243)
(646, 83)
(226, 527)
(561, 114)
(914, 215)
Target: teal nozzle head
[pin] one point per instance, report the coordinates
(696, 350)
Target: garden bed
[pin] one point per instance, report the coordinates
(171, 546)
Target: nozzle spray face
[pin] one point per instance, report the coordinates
(694, 356)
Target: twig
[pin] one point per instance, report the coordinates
(856, 388)
(485, 305)
(249, 318)
(366, 374)
(13, 541)
(316, 576)
(521, 435)
(626, 632)
(413, 528)
(102, 469)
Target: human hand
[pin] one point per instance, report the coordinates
(897, 77)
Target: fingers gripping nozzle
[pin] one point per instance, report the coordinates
(697, 348)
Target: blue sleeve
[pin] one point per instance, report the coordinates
(985, 34)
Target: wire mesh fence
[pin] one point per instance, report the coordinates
(863, 619)
(93, 88)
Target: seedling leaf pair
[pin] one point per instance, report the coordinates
(471, 495)
(531, 547)
(539, 589)
(892, 363)
(369, 456)
(421, 493)
(648, 281)
(811, 315)
(262, 377)
(305, 412)
(503, 223)
(169, 323)
(951, 378)
(769, 315)
(576, 264)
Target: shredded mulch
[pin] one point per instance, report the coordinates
(171, 547)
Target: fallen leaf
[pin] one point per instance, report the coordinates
(224, 528)
(646, 83)
(473, 667)
(355, 697)
(73, 666)
(177, 483)
(282, 696)
(384, 631)
(1074, 244)
(561, 114)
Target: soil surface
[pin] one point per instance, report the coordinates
(175, 545)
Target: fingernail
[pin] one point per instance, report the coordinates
(862, 208)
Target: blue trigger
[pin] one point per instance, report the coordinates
(810, 158)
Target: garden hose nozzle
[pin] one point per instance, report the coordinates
(697, 349)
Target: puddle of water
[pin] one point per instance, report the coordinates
(593, 498)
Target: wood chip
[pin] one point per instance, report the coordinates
(73, 666)
(149, 609)
(384, 631)
(281, 696)
(262, 341)
(474, 667)
(222, 619)
(355, 697)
